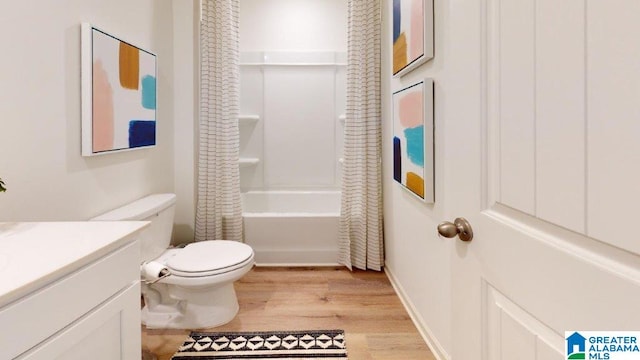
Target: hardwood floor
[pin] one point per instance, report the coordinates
(363, 304)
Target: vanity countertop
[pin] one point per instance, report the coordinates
(33, 254)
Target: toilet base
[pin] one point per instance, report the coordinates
(188, 308)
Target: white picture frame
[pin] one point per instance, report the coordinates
(119, 93)
(413, 139)
(412, 35)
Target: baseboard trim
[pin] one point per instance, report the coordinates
(423, 329)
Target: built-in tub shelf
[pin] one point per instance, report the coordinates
(342, 118)
(246, 162)
(293, 58)
(248, 119)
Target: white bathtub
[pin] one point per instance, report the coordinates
(292, 228)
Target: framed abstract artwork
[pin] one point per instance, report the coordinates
(118, 94)
(413, 142)
(412, 34)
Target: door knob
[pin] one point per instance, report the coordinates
(460, 227)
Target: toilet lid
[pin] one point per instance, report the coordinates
(210, 258)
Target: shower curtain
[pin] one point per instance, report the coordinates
(218, 211)
(361, 243)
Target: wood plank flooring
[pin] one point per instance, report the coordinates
(362, 303)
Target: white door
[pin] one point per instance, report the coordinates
(542, 157)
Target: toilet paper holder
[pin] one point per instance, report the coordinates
(162, 276)
(151, 272)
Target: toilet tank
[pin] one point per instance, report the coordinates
(159, 209)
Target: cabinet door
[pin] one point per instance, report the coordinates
(111, 331)
(31, 320)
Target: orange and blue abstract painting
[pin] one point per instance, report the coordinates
(123, 95)
(413, 140)
(408, 33)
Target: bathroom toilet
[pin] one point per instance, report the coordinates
(189, 287)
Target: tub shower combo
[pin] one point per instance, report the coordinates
(291, 125)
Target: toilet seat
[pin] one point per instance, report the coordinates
(207, 258)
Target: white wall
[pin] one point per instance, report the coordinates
(186, 25)
(416, 258)
(293, 25)
(40, 110)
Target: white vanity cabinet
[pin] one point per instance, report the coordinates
(70, 290)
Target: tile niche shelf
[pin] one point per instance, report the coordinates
(246, 162)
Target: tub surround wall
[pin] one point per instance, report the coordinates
(291, 135)
(46, 176)
(291, 132)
